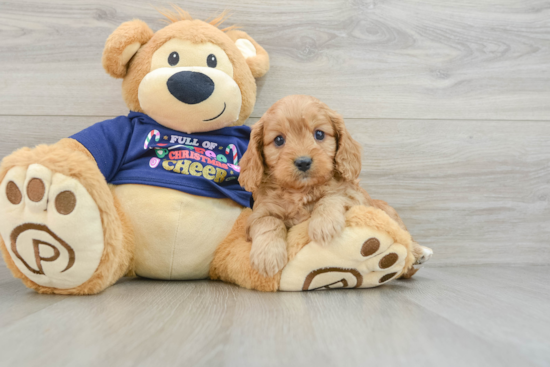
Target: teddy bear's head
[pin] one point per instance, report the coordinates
(189, 76)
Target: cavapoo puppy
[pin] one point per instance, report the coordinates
(301, 163)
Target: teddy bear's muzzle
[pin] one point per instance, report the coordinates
(190, 99)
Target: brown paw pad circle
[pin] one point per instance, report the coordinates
(65, 202)
(13, 193)
(36, 189)
(387, 277)
(388, 260)
(370, 247)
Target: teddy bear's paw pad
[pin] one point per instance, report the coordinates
(360, 257)
(51, 226)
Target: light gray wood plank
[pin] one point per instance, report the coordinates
(503, 305)
(17, 301)
(5, 274)
(20, 302)
(394, 59)
(354, 328)
(30, 131)
(468, 316)
(477, 192)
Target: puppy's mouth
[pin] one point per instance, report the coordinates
(304, 176)
(221, 113)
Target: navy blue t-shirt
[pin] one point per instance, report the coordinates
(135, 149)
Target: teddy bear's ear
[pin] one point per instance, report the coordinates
(255, 55)
(122, 44)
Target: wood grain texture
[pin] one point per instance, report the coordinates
(467, 316)
(477, 192)
(426, 59)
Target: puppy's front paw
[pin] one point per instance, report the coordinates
(268, 255)
(322, 229)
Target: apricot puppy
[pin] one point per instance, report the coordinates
(301, 163)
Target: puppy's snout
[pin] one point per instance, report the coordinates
(303, 163)
(190, 87)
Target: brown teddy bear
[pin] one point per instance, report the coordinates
(156, 193)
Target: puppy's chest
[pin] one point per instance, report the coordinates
(298, 209)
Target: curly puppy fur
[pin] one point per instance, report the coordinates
(285, 195)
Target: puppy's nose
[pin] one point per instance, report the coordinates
(303, 163)
(190, 87)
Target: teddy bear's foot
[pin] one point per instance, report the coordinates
(51, 227)
(62, 230)
(371, 251)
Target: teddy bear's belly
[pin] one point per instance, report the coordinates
(176, 233)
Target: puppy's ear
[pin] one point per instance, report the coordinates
(255, 55)
(348, 153)
(252, 163)
(122, 44)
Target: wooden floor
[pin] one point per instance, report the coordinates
(451, 103)
(452, 316)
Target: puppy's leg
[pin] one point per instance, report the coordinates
(269, 253)
(327, 220)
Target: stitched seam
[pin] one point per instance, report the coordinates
(175, 239)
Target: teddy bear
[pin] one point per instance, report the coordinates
(155, 194)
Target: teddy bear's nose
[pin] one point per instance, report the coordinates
(190, 87)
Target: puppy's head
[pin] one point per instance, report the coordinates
(299, 142)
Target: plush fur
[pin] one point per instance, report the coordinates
(185, 28)
(127, 54)
(118, 236)
(128, 38)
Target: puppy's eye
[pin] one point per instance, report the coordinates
(319, 135)
(174, 58)
(211, 61)
(279, 140)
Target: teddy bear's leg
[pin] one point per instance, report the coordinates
(62, 230)
(232, 260)
(422, 254)
(372, 250)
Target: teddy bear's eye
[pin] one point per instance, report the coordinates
(174, 58)
(211, 61)
(279, 140)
